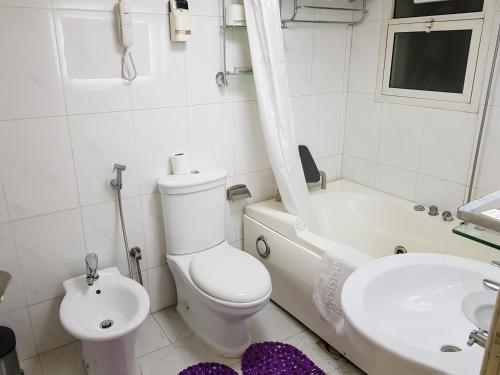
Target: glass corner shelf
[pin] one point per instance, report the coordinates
(239, 71)
(479, 234)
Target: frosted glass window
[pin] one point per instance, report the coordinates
(409, 8)
(434, 61)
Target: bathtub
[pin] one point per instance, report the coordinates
(373, 223)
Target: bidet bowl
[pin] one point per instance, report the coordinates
(406, 312)
(111, 308)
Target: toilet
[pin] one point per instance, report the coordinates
(218, 286)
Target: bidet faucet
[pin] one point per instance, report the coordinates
(91, 263)
(117, 181)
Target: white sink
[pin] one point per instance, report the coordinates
(402, 311)
(106, 317)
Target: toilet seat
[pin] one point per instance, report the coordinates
(230, 275)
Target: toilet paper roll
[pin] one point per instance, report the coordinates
(180, 163)
(235, 15)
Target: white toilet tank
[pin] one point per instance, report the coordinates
(194, 210)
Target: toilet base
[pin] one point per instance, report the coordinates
(225, 329)
(229, 339)
(114, 357)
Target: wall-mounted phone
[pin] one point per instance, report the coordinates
(125, 22)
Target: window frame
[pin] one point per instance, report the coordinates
(480, 22)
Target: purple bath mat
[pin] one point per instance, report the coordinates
(209, 368)
(273, 358)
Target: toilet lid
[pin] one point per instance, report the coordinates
(230, 275)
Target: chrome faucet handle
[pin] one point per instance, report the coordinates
(91, 264)
(448, 216)
(433, 211)
(491, 285)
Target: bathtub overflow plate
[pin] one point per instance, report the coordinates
(263, 247)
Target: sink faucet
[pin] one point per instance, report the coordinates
(91, 262)
(479, 337)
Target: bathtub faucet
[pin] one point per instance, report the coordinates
(323, 180)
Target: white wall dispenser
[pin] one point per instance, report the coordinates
(180, 21)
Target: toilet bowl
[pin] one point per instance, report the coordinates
(218, 286)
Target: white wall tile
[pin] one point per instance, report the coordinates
(329, 50)
(447, 144)
(301, 113)
(99, 141)
(488, 177)
(159, 134)
(103, 231)
(205, 7)
(91, 62)
(160, 63)
(364, 57)
(362, 126)
(401, 135)
(262, 186)
(49, 333)
(250, 152)
(162, 291)
(298, 43)
(31, 86)
(325, 124)
(203, 61)
(51, 249)
(154, 231)
(359, 170)
(434, 191)
(396, 181)
(211, 133)
(14, 297)
(37, 167)
(26, 3)
(19, 322)
(329, 165)
(146, 6)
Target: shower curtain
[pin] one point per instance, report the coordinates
(271, 81)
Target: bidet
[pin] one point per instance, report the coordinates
(106, 317)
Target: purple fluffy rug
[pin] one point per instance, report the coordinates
(272, 358)
(208, 369)
(265, 358)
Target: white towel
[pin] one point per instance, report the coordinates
(332, 274)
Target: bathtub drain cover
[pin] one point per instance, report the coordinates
(105, 324)
(450, 349)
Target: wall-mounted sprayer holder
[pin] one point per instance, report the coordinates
(180, 21)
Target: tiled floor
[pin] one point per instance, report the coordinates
(165, 346)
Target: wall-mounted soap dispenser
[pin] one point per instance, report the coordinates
(180, 21)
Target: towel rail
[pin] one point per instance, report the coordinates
(296, 7)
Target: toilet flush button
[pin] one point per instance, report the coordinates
(263, 247)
